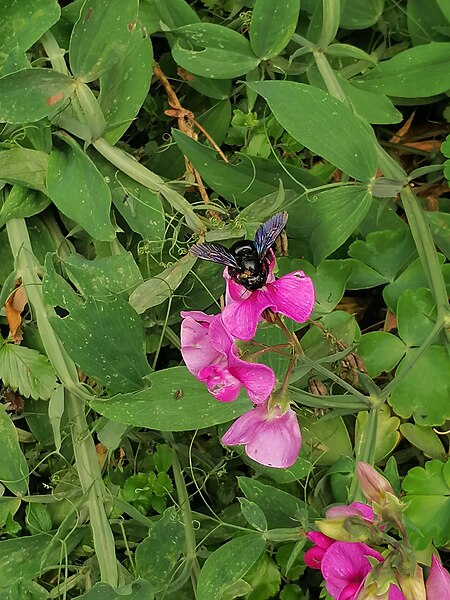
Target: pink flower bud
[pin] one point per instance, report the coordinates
(373, 485)
(438, 582)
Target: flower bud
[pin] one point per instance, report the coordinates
(346, 529)
(373, 485)
(438, 582)
(413, 586)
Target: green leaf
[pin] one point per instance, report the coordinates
(264, 577)
(124, 87)
(373, 107)
(445, 8)
(325, 441)
(329, 217)
(38, 518)
(272, 26)
(280, 508)
(24, 167)
(425, 390)
(253, 514)
(22, 202)
(105, 276)
(388, 252)
(245, 182)
(355, 153)
(387, 436)
(416, 316)
(29, 95)
(428, 504)
(102, 37)
(360, 14)
(349, 51)
(103, 336)
(175, 401)
(55, 413)
(78, 189)
(380, 351)
(239, 555)
(13, 466)
(138, 590)
(176, 13)
(213, 51)
(27, 371)
(440, 228)
(418, 72)
(158, 554)
(156, 290)
(426, 21)
(425, 439)
(24, 22)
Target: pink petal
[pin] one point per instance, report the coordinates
(196, 347)
(258, 380)
(438, 582)
(320, 539)
(354, 509)
(219, 336)
(345, 563)
(396, 594)
(271, 439)
(313, 557)
(349, 592)
(220, 382)
(293, 296)
(241, 317)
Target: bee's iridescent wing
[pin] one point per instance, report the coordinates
(268, 233)
(214, 253)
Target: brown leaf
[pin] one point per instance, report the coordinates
(13, 309)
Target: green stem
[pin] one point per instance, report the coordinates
(84, 448)
(366, 452)
(54, 52)
(329, 77)
(330, 22)
(185, 507)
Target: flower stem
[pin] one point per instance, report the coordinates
(84, 449)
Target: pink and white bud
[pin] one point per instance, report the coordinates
(438, 582)
(373, 485)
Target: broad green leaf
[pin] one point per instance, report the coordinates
(104, 336)
(37, 518)
(387, 436)
(264, 577)
(280, 508)
(327, 120)
(139, 206)
(13, 466)
(24, 167)
(253, 514)
(156, 290)
(325, 441)
(15, 60)
(175, 401)
(360, 14)
(219, 89)
(440, 228)
(349, 51)
(329, 217)
(445, 8)
(102, 37)
(138, 590)
(31, 94)
(27, 371)
(418, 72)
(24, 555)
(374, 107)
(124, 87)
(78, 189)
(272, 26)
(388, 252)
(425, 390)
(239, 555)
(105, 276)
(22, 202)
(380, 351)
(416, 316)
(342, 325)
(426, 21)
(213, 51)
(175, 13)
(271, 335)
(428, 504)
(158, 554)
(245, 182)
(425, 439)
(25, 21)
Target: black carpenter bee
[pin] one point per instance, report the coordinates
(248, 262)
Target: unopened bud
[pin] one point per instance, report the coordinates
(413, 586)
(373, 485)
(346, 529)
(438, 582)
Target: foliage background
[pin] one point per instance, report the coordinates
(334, 111)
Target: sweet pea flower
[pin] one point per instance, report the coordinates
(210, 354)
(438, 582)
(345, 566)
(271, 437)
(292, 295)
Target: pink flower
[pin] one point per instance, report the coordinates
(438, 582)
(292, 295)
(313, 556)
(271, 438)
(211, 355)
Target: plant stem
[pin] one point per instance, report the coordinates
(330, 22)
(366, 453)
(84, 449)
